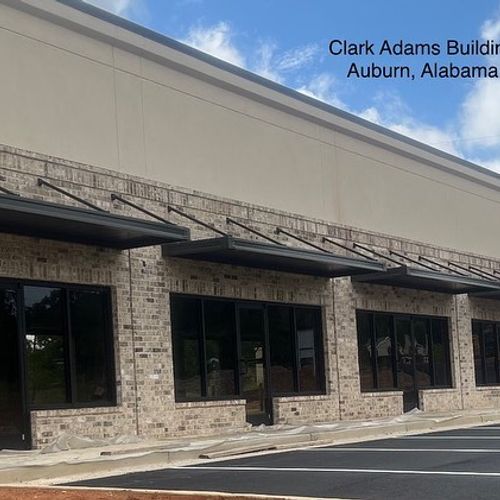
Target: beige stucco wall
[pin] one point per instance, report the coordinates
(122, 102)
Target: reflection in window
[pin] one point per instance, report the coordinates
(365, 349)
(68, 346)
(88, 328)
(485, 343)
(384, 350)
(308, 321)
(220, 354)
(220, 336)
(414, 348)
(440, 353)
(186, 327)
(282, 349)
(45, 345)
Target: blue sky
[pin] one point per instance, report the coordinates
(287, 41)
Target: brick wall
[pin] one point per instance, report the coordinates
(141, 281)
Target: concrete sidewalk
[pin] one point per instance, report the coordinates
(100, 459)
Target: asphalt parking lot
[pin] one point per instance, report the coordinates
(452, 464)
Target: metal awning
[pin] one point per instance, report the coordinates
(425, 279)
(53, 221)
(251, 253)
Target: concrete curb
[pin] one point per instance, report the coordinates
(158, 458)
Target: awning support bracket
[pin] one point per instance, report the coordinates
(442, 266)
(378, 254)
(229, 220)
(409, 259)
(42, 182)
(471, 271)
(485, 273)
(345, 247)
(302, 240)
(8, 191)
(194, 219)
(138, 207)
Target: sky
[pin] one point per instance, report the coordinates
(287, 41)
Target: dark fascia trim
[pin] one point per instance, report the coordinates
(235, 70)
(187, 248)
(83, 215)
(402, 271)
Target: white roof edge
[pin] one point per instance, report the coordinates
(100, 24)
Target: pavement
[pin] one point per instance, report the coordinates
(459, 464)
(74, 458)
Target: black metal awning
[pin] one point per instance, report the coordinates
(252, 253)
(425, 279)
(53, 221)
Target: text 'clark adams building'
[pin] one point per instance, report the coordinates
(186, 247)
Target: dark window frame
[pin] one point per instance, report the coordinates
(319, 346)
(410, 317)
(70, 380)
(480, 323)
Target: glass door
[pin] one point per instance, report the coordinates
(12, 415)
(254, 364)
(405, 368)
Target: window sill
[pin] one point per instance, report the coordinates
(69, 412)
(301, 397)
(488, 387)
(209, 403)
(382, 394)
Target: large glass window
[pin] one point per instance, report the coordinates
(411, 351)
(45, 345)
(68, 343)
(308, 323)
(282, 344)
(210, 355)
(91, 345)
(486, 342)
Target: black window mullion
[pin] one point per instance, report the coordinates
(69, 348)
(203, 352)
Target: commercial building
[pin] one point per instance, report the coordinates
(187, 248)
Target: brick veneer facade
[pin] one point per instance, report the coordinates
(141, 281)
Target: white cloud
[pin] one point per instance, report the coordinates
(480, 110)
(136, 10)
(118, 7)
(297, 58)
(323, 88)
(217, 41)
(266, 65)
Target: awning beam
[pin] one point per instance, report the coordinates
(194, 219)
(229, 220)
(138, 207)
(43, 182)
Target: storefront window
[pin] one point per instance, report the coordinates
(68, 347)
(411, 351)
(217, 349)
(485, 342)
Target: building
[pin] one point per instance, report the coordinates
(187, 247)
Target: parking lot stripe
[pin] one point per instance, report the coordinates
(449, 437)
(356, 471)
(447, 450)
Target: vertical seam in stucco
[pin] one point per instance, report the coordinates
(115, 101)
(143, 118)
(459, 356)
(132, 329)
